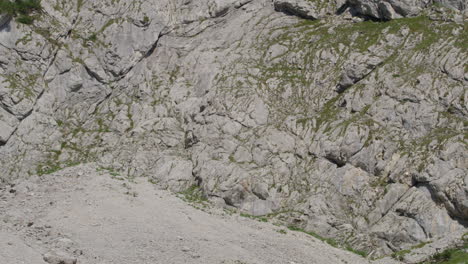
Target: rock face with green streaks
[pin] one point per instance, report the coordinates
(351, 128)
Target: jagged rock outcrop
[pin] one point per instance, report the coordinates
(390, 9)
(374, 9)
(352, 130)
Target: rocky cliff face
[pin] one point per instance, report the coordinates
(305, 110)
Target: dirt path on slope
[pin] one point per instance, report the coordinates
(84, 216)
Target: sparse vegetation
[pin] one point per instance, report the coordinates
(399, 255)
(457, 255)
(330, 241)
(194, 195)
(259, 218)
(450, 256)
(152, 181)
(282, 231)
(52, 166)
(112, 172)
(92, 37)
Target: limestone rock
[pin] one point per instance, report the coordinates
(59, 258)
(308, 9)
(355, 128)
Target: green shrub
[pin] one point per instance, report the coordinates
(27, 6)
(7, 7)
(21, 9)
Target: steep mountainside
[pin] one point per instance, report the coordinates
(345, 118)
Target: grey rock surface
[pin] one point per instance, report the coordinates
(4, 19)
(59, 258)
(309, 9)
(352, 129)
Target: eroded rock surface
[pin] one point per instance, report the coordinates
(352, 129)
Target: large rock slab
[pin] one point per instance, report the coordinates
(308, 9)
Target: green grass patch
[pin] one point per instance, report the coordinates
(356, 251)
(92, 37)
(194, 195)
(259, 218)
(457, 255)
(451, 256)
(48, 168)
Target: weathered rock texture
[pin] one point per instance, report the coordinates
(355, 131)
(390, 9)
(309, 9)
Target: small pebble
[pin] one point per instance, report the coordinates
(185, 249)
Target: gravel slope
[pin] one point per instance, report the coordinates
(85, 216)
